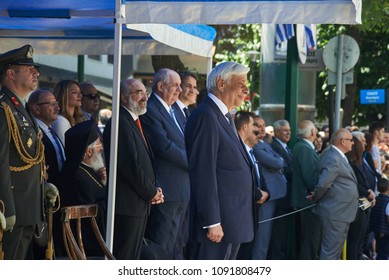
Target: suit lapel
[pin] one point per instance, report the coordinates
(224, 123)
(163, 111)
(180, 116)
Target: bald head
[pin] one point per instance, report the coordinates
(342, 139)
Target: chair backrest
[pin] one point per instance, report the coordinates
(73, 240)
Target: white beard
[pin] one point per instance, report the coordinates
(97, 162)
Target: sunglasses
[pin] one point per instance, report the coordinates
(256, 132)
(91, 96)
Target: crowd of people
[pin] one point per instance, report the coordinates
(193, 180)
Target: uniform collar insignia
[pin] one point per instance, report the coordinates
(15, 101)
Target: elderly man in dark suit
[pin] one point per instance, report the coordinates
(44, 107)
(335, 195)
(136, 187)
(166, 225)
(271, 164)
(305, 177)
(222, 199)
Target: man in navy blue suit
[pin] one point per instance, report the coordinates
(271, 164)
(165, 133)
(221, 178)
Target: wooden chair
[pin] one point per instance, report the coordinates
(74, 245)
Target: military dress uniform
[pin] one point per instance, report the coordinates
(21, 168)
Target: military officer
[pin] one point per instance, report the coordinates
(21, 153)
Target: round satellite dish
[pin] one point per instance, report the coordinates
(301, 43)
(350, 53)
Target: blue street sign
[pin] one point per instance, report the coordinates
(372, 96)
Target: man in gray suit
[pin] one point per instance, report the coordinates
(336, 195)
(271, 164)
(305, 177)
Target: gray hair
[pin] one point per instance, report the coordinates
(225, 71)
(162, 75)
(339, 134)
(280, 123)
(359, 135)
(304, 129)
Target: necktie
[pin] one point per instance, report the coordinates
(231, 121)
(139, 125)
(255, 163)
(59, 146)
(171, 112)
(288, 150)
(186, 112)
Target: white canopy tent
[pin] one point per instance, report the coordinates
(96, 27)
(99, 14)
(244, 11)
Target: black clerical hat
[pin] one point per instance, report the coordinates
(20, 56)
(78, 138)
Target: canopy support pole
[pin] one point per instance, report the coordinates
(119, 15)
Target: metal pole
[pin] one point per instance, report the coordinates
(80, 68)
(339, 82)
(115, 124)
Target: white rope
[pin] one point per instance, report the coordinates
(287, 214)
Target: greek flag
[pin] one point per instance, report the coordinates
(283, 33)
(310, 34)
(286, 31)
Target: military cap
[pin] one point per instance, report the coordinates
(20, 56)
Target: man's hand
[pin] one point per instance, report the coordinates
(215, 234)
(10, 222)
(264, 197)
(159, 197)
(102, 173)
(51, 193)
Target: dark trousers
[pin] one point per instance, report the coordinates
(355, 236)
(264, 230)
(311, 227)
(282, 244)
(167, 228)
(382, 246)
(216, 251)
(128, 237)
(17, 243)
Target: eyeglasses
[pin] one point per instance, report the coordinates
(91, 96)
(351, 140)
(256, 132)
(140, 93)
(52, 103)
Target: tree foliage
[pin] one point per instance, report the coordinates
(371, 70)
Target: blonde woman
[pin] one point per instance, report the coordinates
(68, 95)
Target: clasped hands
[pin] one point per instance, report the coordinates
(159, 197)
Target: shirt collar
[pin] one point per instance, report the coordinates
(223, 108)
(309, 143)
(42, 125)
(180, 104)
(167, 107)
(135, 117)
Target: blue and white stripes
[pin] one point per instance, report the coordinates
(286, 31)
